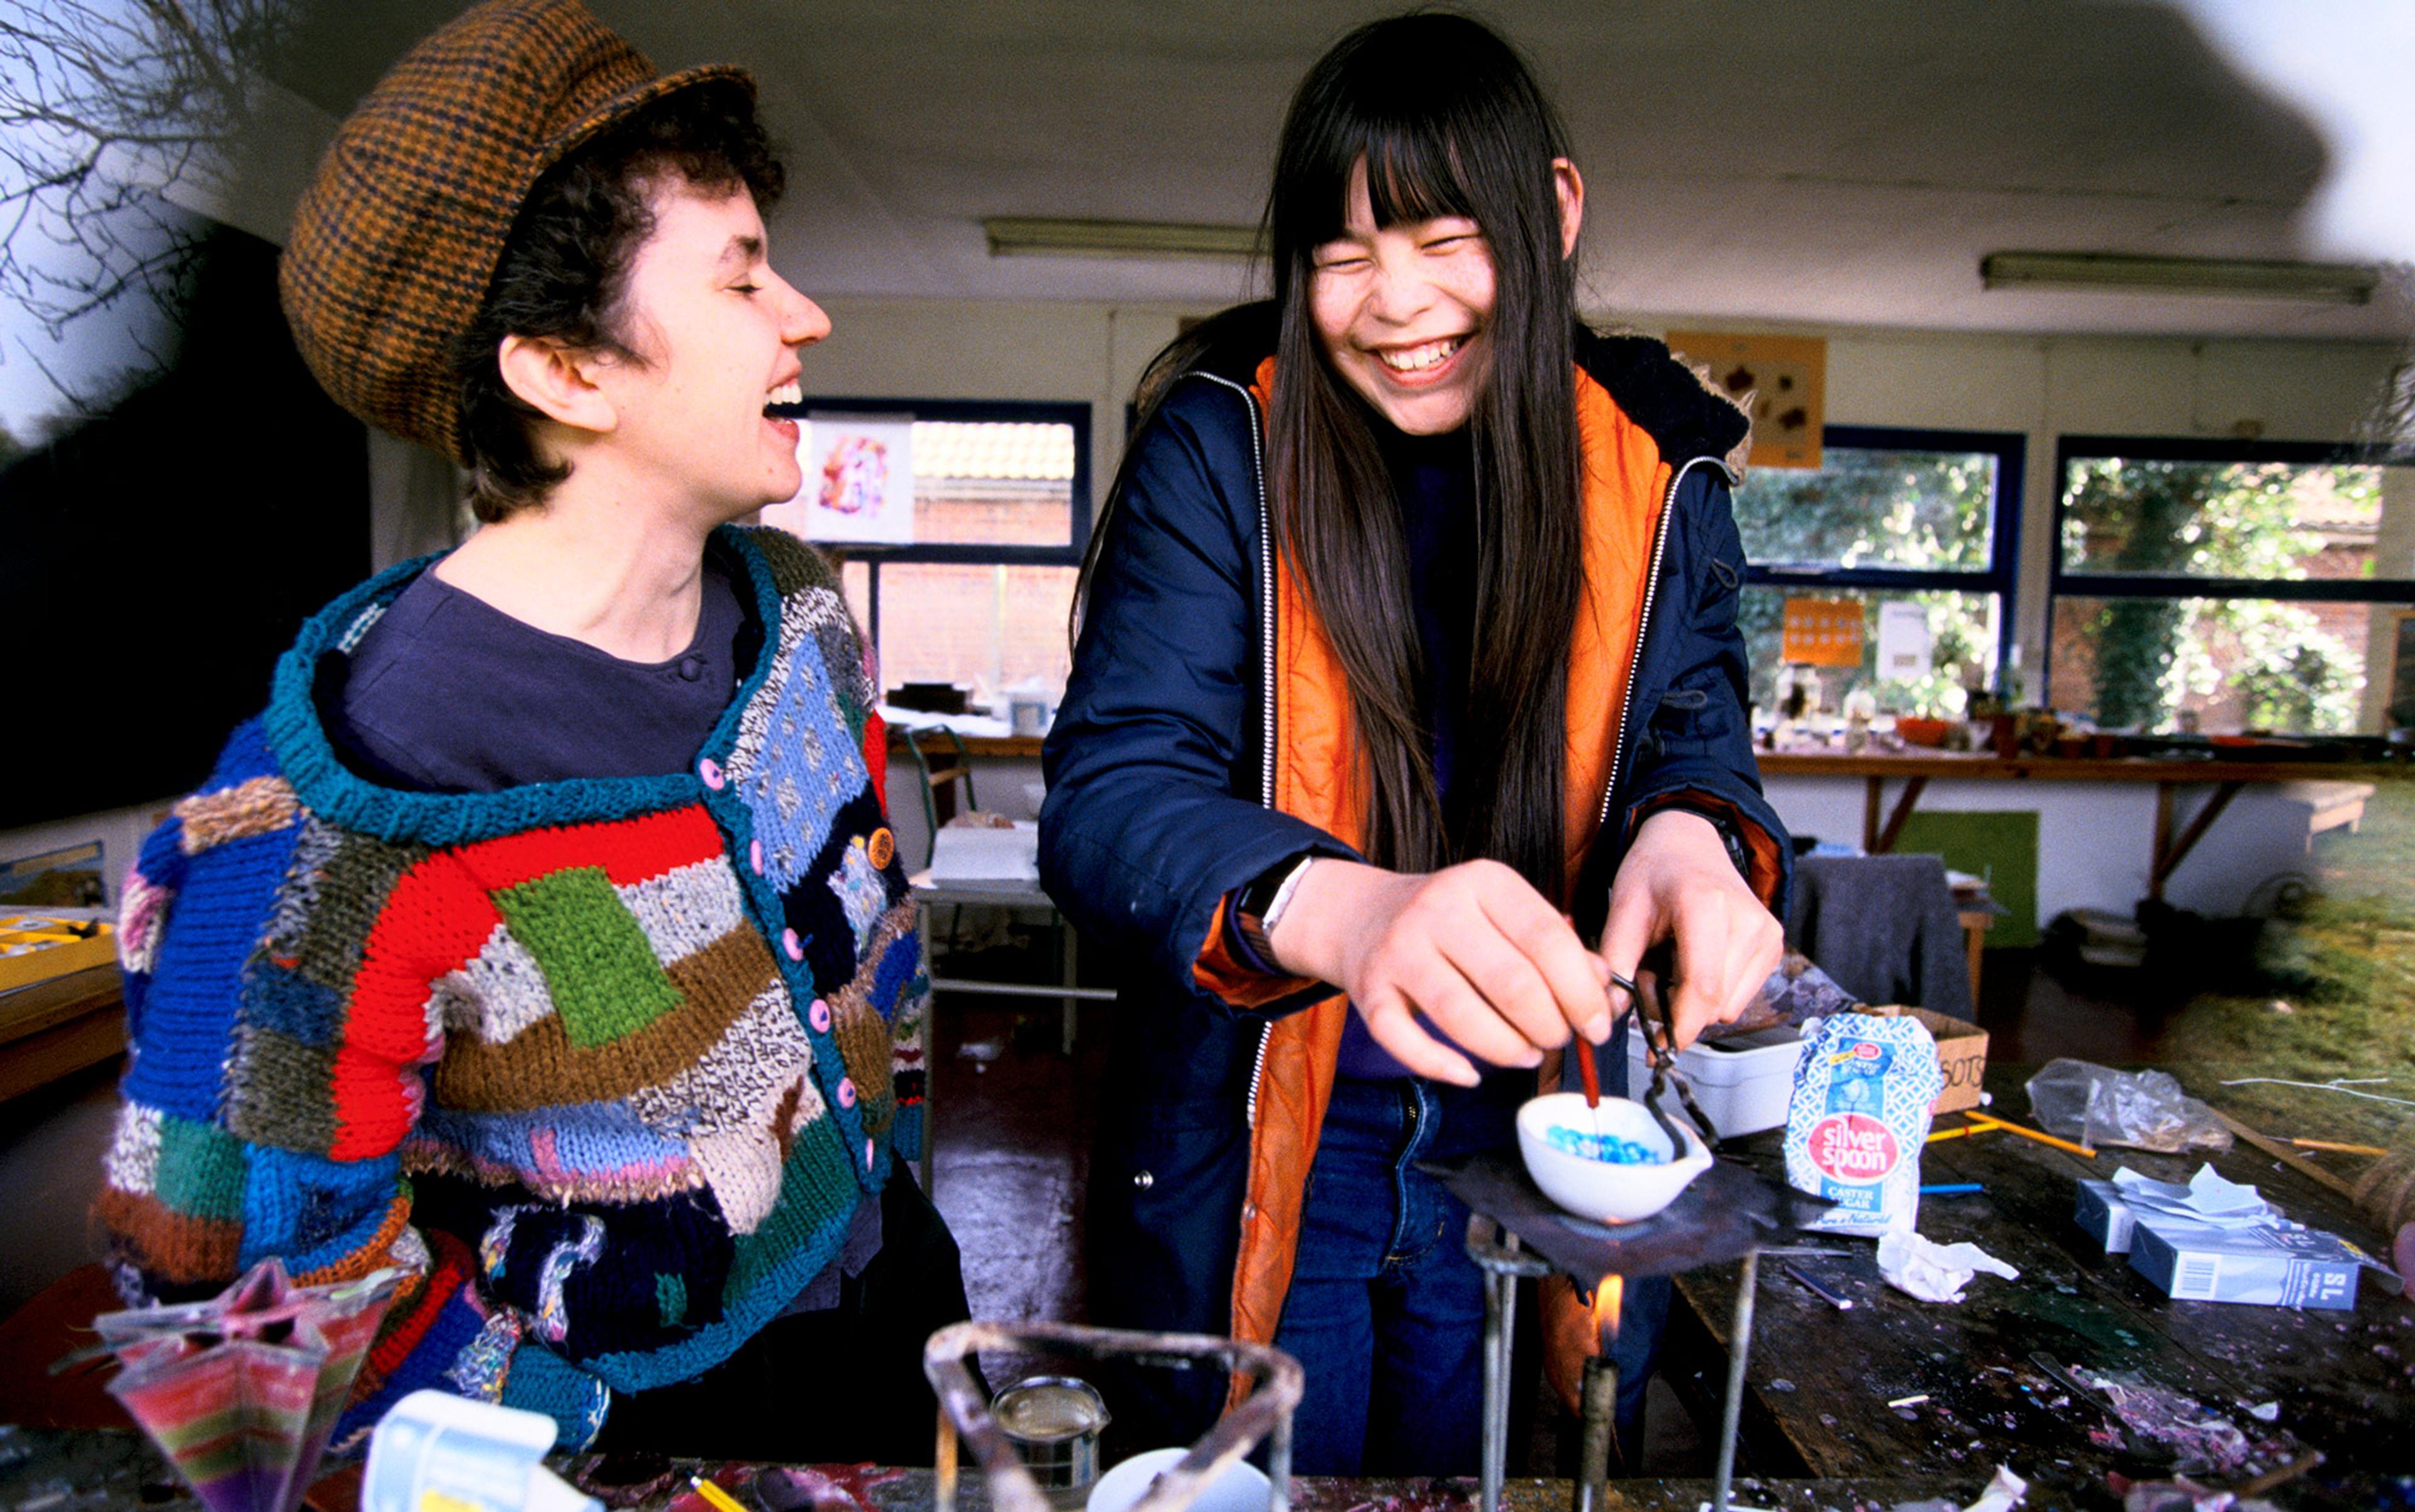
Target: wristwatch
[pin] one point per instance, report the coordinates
(1259, 906)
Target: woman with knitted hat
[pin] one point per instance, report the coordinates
(1410, 633)
(545, 937)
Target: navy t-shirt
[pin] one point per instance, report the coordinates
(447, 694)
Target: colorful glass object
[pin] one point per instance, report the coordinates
(241, 1391)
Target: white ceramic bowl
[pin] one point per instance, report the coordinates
(1605, 1191)
(1242, 1488)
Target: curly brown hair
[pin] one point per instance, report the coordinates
(565, 268)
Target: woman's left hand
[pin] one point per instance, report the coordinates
(1677, 882)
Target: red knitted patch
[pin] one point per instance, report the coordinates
(629, 850)
(876, 758)
(407, 1325)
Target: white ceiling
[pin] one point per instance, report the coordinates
(1824, 161)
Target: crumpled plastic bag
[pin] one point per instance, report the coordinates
(1934, 1272)
(2144, 1110)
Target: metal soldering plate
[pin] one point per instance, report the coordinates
(1728, 1210)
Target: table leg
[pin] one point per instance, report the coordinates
(1882, 842)
(1069, 958)
(2168, 857)
(1975, 941)
(1873, 794)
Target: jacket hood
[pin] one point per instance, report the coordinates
(1686, 416)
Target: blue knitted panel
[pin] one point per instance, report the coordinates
(810, 769)
(576, 1143)
(189, 1010)
(901, 968)
(310, 1210)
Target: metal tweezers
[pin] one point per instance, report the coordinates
(1658, 1039)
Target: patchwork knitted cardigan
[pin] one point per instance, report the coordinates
(606, 1064)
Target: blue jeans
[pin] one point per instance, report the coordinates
(1385, 1311)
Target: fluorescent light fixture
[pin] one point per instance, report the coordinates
(1022, 236)
(2321, 283)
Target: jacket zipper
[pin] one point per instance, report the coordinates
(1643, 623)
(1265, 684)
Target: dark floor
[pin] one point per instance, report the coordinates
(1013, 1116)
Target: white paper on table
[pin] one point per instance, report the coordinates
(2003, 1494)
(1934, 1272)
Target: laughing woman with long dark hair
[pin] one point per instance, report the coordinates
(1407, 667)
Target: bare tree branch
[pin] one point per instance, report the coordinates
(101, 102)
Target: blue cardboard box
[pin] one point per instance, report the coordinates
(2104, 1217)
(2283, 1268)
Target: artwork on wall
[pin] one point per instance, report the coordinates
(859, 481)
(1782, 377)
(1904, 639)
(1822, 632)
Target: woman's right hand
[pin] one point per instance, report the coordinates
(1472, 949)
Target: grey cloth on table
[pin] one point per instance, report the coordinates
(1885, 927)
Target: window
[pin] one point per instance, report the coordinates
(2227, 586)
(1002, 511)
(1927, 516)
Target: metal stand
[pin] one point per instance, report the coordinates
(1503, 1261)
(1264, 1414)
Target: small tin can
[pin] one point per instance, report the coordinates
(1054, 1422)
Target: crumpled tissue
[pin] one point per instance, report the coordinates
(1934, 1272)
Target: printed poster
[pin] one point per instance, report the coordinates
(859, 480)
(1781, 378)
(1822, 632)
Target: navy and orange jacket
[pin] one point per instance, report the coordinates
(1204, 736)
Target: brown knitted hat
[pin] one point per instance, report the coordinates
(397, 237)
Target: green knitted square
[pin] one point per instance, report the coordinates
(201, 1169)
(670, 1298)
(602, 975)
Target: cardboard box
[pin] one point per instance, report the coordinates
(2275, 1268)
(1961, 1056)
(38, 947)
(2104, 1217)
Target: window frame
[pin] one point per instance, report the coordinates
(2000, 577)
(873, 554)
(2062, 580)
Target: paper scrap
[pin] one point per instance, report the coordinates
(2003, 1494)
(2207, 1198)
(1934, 1272)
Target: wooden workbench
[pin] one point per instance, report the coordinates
(1821, 1379)
(1881, 826)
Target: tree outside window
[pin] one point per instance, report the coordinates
(2234, 588)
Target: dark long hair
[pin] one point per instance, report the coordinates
(1448, 121)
